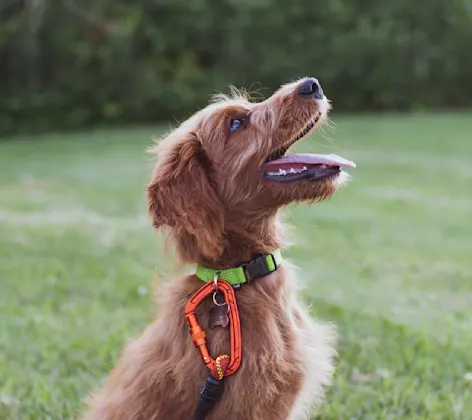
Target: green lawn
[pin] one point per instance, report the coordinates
(388, 260)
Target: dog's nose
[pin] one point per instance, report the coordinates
(311, 88)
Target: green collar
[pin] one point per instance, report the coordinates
(259, 267)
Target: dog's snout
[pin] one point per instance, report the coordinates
(311, 88)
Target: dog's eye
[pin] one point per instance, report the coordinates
(235, 124)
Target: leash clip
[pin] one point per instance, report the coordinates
(197, 333)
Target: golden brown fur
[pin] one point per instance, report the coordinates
(208, 192)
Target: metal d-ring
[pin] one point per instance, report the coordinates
(215, 293)
(215, 281)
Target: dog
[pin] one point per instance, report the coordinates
(220, 179)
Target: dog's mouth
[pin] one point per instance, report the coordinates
(284, 169)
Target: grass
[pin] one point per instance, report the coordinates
(388, 260)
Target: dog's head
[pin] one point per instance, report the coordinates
(227, 165)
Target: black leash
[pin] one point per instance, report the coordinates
(209, 395)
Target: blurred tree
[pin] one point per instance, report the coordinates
(73, 63)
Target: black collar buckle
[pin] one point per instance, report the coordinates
(258, 267)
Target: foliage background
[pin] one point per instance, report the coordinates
(76, 63)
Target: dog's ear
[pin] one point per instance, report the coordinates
(181, 196)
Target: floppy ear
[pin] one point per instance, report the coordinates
(181, 196)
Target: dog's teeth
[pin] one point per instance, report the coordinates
(282, 172)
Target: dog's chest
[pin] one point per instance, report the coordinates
(286, 363)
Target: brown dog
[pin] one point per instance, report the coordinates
(219, 182)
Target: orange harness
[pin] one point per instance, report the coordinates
(223, 363)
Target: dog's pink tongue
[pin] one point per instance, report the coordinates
(308, 159)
